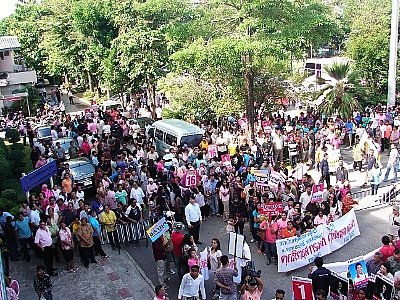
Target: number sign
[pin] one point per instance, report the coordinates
(302, 288)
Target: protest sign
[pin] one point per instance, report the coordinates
(236, 242)
(231, 265)
(271, 209)
(339, 286)
(358, 272)
(204, 264)
(158, 229)
(296, 252)
(317, 193)
(262, 176)
(300, 170)
(333, 159)
(190, 178)
(226, 159)
(382, 289)
(262, 187)
(302, 288)
(212, 151)
(275, 179)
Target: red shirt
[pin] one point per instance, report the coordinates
(387, 251)
(177, 238)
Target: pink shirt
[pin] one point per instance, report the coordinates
(193, 262)
(255, 296)
(281, 225)
(269, 228)
(43, 237)
(320, 220)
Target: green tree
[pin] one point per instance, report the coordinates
(341, 94)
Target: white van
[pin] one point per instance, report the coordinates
(114, 103)
(172, 132)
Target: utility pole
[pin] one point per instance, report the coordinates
(394, 41)
(249, 86)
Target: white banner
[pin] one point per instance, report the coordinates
(299, 251)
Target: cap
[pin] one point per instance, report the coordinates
(179, 226)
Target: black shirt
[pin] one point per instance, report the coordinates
(320, 279)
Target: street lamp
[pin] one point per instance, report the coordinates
(394, 40)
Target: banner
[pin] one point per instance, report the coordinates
(296, 252)
(158, 229)
(271, 209)
(275, 178)
(262, 176)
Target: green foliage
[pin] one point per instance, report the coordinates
(6, 204)
(17, 146)
(12, 135)
(9, 194)
(341, 94)
(8, 183)
(368, 43)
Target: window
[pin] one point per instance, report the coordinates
(170, 139)
(159, 135)
(191, 140)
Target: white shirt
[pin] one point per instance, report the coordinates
(34, 216)
(80, 195)
(190, 287)
(192, 213)
(137, 194)
(304, 200)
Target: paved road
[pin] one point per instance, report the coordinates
(372, 226)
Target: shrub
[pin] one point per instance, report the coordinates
(12, 135)
(6, 204)
(17, 157)
(15, 210)
(17, 146)
(9, 194)
(5, 169)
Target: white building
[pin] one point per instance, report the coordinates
(13, 76)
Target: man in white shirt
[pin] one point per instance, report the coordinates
(305, 198)
(152, 154)
(193, 218)
(191, 283)
(392, 163)
(137, 193)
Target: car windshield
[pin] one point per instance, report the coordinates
(43, 132)
(82, 170)
(191, 140)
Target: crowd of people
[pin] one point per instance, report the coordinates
(133, 182)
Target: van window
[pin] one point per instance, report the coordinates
(191, 140)
(159, 135)
(170, 139)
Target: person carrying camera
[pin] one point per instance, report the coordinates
(224, 279)
(252, 289)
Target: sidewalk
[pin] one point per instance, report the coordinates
(118, 277)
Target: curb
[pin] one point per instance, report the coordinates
(138, 268)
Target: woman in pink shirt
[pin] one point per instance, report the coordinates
(193, 259)
(282, 224)
(271, 229)
(320, 219)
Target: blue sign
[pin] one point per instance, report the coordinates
(39, 176)
(157, 229)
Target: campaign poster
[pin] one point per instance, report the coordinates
(212, 151)
(383, 288)
(226, 159)
(302, 288)
(271, 209)
(190, 178)
(339, 286)
(317, 193)
(358, 272)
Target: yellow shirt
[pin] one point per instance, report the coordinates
(232, 149)
(109, 219)
(203, 145)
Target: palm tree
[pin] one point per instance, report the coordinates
(341, 93)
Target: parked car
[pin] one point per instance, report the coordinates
(65, 143)
(82, 170)
(143, 121)
(43, 133)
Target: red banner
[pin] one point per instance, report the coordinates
(271, 209)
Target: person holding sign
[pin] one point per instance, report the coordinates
(252, 289)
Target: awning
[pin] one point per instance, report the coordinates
(13, 97)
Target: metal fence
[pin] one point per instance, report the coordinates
(130, 232)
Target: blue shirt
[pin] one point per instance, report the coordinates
(23, 229)
(95, 224)
(256, 215)
(349, 127)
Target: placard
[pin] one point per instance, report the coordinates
(358, 272)
(204, 264)
(317, 193)
(231, 265)
(302, 288)
(383, 288)
(276, 178)
(236, 242)
(271, 209)
(339, 286)
(158, 229)
(333, 159)
(190, 178)
(226, 159)
(212, 151)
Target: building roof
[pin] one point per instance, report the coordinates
(9, 43)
